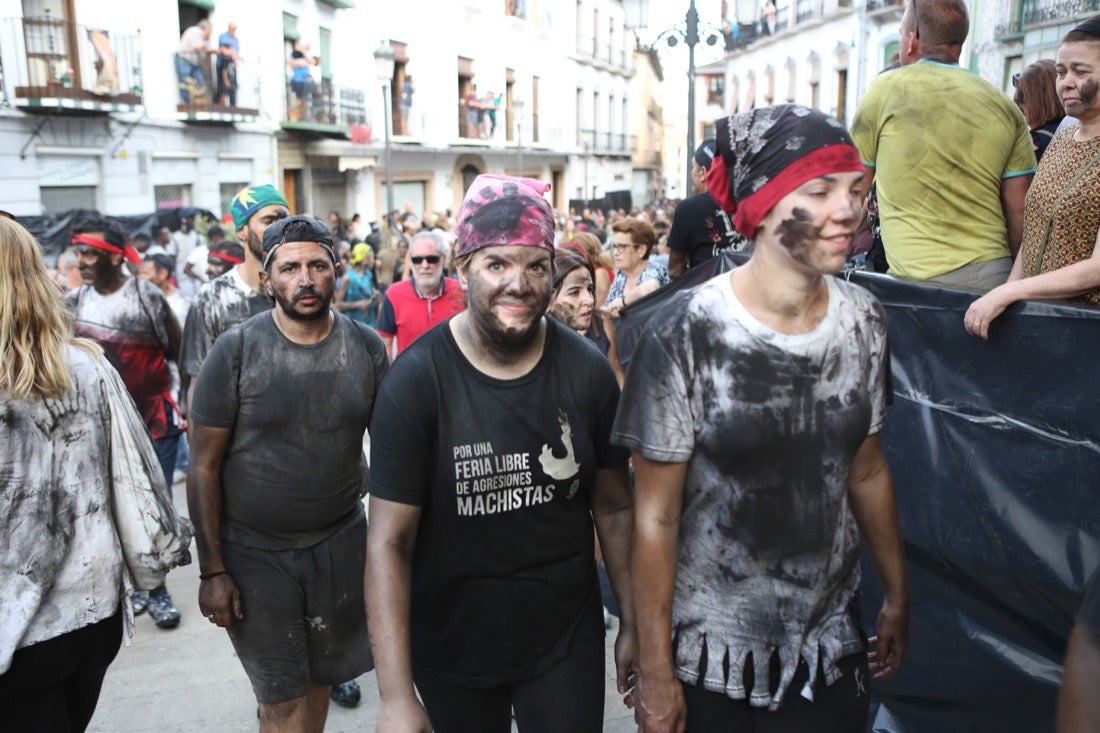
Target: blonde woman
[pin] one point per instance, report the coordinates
(62, 571)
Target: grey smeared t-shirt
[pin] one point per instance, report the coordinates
(294, 470)
(768, 424)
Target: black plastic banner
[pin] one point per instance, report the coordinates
(995, 451)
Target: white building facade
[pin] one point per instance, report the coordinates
(91, 112)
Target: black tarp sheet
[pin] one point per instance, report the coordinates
(53, 232)
(995, 452)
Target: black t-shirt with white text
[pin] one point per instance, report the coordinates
(503, 570)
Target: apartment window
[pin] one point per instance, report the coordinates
(782, 15)
(769, 86)
(290, 28)
(890, 53)
(173, 195)
(790, 69)
(534, 109)
(841, 95)
(594, 125)
(716, 90)
(611, 41)
(226, 192)
(815, 81)
(581, 138)
(324, 37)
(59, 199)
(595, 33)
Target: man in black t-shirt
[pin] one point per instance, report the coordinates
(277, 472)
(490, 460)
(700, 229)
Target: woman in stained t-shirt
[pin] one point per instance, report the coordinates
(753, 406)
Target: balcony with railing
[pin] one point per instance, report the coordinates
(884, 7)
(611, 54)
(217, 89)
(605, 143)
(327, 109)
(51, 64)
(1036, 13)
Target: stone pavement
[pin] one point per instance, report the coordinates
(188, 680)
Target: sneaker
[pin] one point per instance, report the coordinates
(346, 694)
(162, 610)
(140, 601)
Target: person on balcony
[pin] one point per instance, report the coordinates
(227, 74)
(301, 81)
(190, 58)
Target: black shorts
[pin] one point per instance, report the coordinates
(305, 620)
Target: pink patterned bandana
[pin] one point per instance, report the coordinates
(505, 211)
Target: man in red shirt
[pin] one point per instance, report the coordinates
(413, 306)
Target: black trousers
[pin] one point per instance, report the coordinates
(568, 698)
(841, 707)
(53, 686)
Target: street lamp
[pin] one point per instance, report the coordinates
(637, 16)
(517, 109)
(383, 60)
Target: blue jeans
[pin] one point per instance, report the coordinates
(167, 448)
(185, 69)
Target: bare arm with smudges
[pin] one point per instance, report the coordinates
(659, 491)
(388, 589)
(871, 498)
(613, 513)
(219, 599)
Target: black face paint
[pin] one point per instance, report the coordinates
(1088, 93)
(798, 233)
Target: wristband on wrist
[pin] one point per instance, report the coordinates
(216, 573)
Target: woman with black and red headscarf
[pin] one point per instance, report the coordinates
(753, 405)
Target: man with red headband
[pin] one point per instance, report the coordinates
(222, 258)
(133, 322)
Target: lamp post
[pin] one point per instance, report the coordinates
(383, 59)
(637, 16)
(517, 109)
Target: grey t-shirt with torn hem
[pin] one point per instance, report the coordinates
(768, 424)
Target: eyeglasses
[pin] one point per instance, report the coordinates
(430, 259)
(623, 247)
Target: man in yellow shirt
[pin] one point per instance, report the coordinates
(951, 155)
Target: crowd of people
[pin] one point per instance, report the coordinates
(722, 484)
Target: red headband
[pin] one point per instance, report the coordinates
(129, 253)
(225, 257)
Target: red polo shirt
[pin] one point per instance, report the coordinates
(406, 314)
